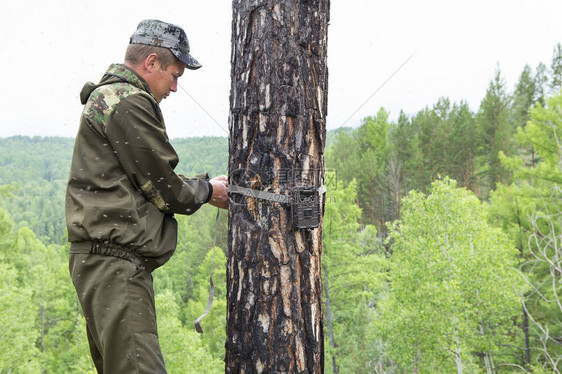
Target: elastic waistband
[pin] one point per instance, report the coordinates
(115, 250)
(81, 247)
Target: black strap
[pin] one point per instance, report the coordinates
(263, 195)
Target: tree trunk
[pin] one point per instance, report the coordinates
(527, 362)
(42, 329)
(278, 106)
(527, 345)
(487, 354)
(458, 352)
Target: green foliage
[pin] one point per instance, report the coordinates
(495, 133)
(446, 302)
(353, 274)
(202, 155)
(214, 324)
(433, 316)
(195, 237)
(42, 328)
(543, 132)
(186, 276)
(373, 151)
(184, 350)
(556, 70)
(40, 318)
(530, 212)
(342, 156)
(541, 82)
(18, 353)
(545, 283)
(406, 149)
(37, 169)
(524, 97)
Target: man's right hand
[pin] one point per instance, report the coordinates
(219, 198)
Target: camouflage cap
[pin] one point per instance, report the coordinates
(165, 35)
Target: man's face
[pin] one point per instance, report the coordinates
(165, 81)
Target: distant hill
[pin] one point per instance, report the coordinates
(38, 167)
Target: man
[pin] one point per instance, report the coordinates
(122, 195)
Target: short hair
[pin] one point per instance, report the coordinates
(137, 53)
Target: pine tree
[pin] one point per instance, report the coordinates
(495, 134)
(523, 100)
(541, 82)
(556, 70)
(373, 150)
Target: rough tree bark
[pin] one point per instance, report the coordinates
(278, 106)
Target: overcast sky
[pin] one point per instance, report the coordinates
(51, 48)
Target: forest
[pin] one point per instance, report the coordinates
(441, 244)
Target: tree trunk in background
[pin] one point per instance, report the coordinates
(526, 335)
(329, 316)
(278, 106)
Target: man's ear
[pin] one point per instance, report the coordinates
(150, 62)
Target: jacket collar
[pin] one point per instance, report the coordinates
(126, 74)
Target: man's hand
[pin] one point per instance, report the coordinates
(219, 198)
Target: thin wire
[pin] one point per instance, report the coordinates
(205, 110)
(378, 89)
(197, 322)
(343, 124)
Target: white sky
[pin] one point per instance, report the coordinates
(51, 48)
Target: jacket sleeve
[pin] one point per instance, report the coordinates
(140, 143)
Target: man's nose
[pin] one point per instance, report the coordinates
(174, 87)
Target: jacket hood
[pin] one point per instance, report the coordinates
(115, 73)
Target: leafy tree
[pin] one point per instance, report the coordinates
(530, 211)
(433, 320)
(353, 274)
(510, 207)
(544, 133)
(545, 245)
(18, 353)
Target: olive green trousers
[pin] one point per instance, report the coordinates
(117, 299)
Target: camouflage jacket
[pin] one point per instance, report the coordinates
(122, 189)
